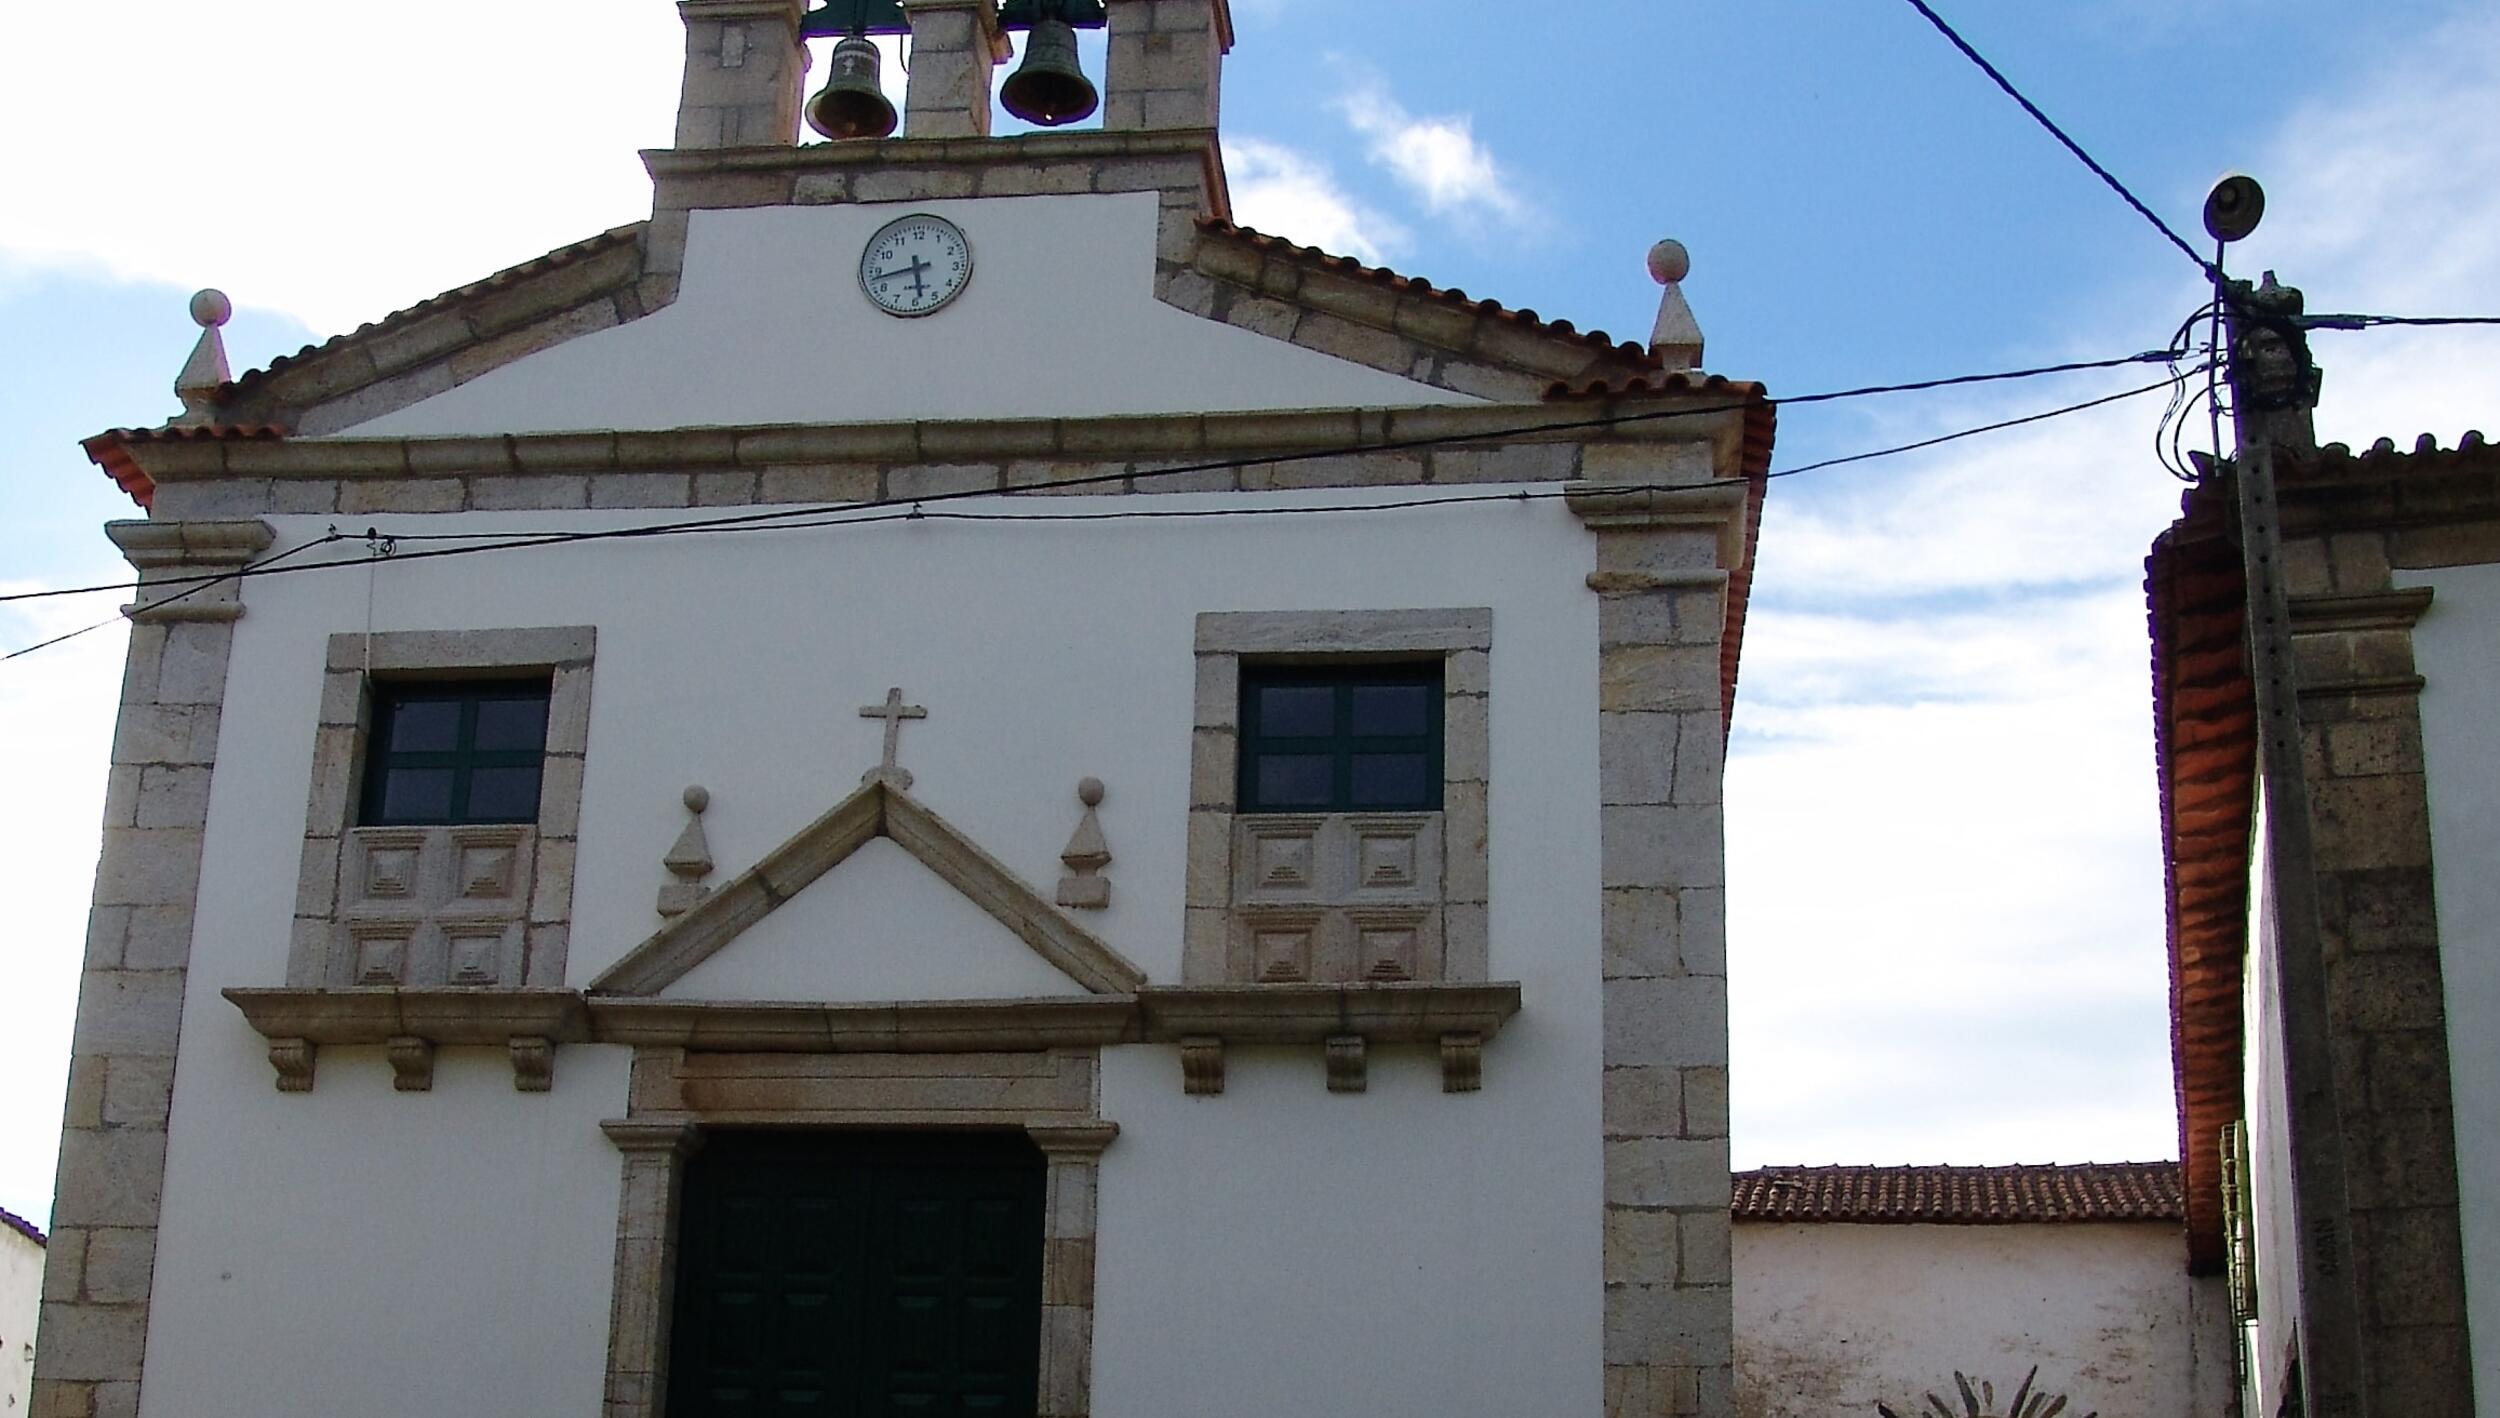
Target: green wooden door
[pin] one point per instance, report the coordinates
(858, 1275)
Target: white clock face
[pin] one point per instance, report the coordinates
(915, 264)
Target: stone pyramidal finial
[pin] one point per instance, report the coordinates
(1676, 339)
(689, 861)
(205, 372)
(1086, 855)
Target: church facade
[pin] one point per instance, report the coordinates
(934, 781)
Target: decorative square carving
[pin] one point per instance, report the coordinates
(389, 863)
(1283, 944)
(381, 951)
(1394, 855)
(474, 954)
(1384, 859)
(1388, 944)
(485, 872)
(1280, 856)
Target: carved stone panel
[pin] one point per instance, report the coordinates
(434, 906)
(1336, 897)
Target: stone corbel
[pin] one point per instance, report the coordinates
(1462, 1063)
(1202, 1065)
(1349, 1069)
(533, 1065)
(412, 1063)
(1719, 507)
(294, 1060)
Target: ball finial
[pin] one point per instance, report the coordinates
(1089, 791)
(697, 798)
(210, 309)
(1669, 262)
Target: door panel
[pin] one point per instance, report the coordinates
(835, 1274)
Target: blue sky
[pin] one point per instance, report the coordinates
(1946, 917)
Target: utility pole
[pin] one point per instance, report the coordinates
(2274, 391)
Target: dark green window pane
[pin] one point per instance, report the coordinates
(1297, 712)
(425, 726)
(1391, 780)
(1289, 780)
(503, 794)
(505, 725)
(1393, 710)
(417, 795)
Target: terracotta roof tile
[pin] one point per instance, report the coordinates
(1348, 266)
(1664, 382)
(10, 1220)
(1961, 1196)
(110, 450)
(511, 275)
(2205, 751)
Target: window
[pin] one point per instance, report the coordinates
(455, 752)
(1358, 738)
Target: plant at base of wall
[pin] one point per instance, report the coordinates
(1982, 1402)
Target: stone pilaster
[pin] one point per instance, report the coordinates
(2387, 1023)
(744, 69)
(1075, 1153)
(1166, 63)
(92, 1333)
(955, 46)
(655, 1156)
(1662, 583)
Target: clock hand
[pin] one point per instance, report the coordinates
(914, 270)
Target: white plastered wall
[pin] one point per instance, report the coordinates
(21, 1295)
(1059, 320)
(1833, 1319)
(1274, 1249)
(2457, 650)
(2272, 1338)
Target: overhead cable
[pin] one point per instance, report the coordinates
(2060, 134)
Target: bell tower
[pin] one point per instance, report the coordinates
(741, 141)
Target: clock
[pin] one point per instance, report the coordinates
(914, 265)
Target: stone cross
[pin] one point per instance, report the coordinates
(894, 711)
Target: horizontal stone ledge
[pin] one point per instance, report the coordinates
(1018, 151)
(297, 1021)
(2374, 610)
(1174, 438)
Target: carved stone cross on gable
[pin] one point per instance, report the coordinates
(894, 711)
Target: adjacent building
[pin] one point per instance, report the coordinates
(21, 1292)
(2392, 564)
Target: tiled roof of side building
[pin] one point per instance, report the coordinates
(1961, 1196)
(11, 1221)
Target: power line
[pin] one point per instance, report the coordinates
(2058, 133)
(785, 514)
(204, 583)
(905, 511)
(2365, 322)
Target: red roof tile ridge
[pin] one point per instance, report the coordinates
(561, 256)
(14, 1222)
(1961, 1195)
(1349, 266)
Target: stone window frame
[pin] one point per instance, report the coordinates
(354, 659)
(1462, 638)
(1053, 1097)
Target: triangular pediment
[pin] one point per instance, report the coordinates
(877, 810)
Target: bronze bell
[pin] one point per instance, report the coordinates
(1049, 88)
(853, 102)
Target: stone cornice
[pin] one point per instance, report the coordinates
(2376, 610)
(297, 1021)
(1372, 434)
(1183, 162)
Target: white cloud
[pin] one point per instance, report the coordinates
(1286, 192)
(323, 160)
(58, 706)
(1436, 159)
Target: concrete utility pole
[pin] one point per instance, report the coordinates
(2274, 389)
